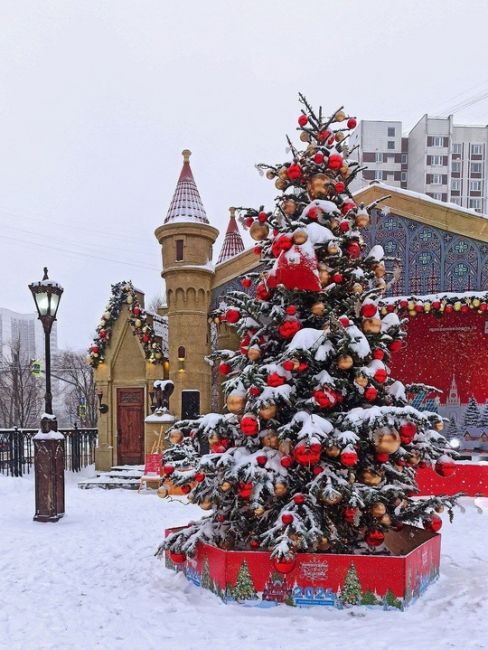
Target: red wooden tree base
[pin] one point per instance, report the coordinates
(387, 581)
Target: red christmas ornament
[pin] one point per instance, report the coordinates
(324, 397)
(232, 315)
(288, 365)
(340, 187)
(136, 311)
(248, 221)
(262, 292)
(286, 461)
(344, 227)
(407, 431)
(351, 123)
(368, 310)
(380, 375)
(403, 304)
(299, 499)
(246, 282)
(349, 458)
(370, 393)
(281, 243)
(335, 161)
(433, 523)
(289, 328)
(302, 120)
(262, 217)
(102, 333)
(186, 489)
(254, 543)
(445, 467)
(349, 514)
(249, 425)
(318, 158)
(381, 458)
(257, 250)
(483, 306)
(419, 307)
(291, 310)
(217, 448)
(177, 558)
(448, 309)
(245, 490)
(220, 518)
(318, 469)
(168, 469)
(199, 477)
(314, 213)
(146, 338)
(464, 309)
(224, 368)
(95, 349)
(347, 206)
(353, 249)
(306, 454)
(395, 346)
(287, 518)
(436, 304)
(338, 278)
(254, 391)
(344, 321)
(284, 564)
(302, 366)
(294, 172)
(323, 135)
(275, 379)
(378, 354)
(261, 460)
(374, 537)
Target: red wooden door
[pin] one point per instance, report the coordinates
(130, 426)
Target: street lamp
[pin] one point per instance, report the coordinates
(48, 443)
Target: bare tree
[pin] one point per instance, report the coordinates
(21, 394)
(155, 304)
(79, 386)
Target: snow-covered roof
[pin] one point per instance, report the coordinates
(233, 244)
(186, 204)
(423, 197)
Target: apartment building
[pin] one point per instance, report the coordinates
(446, 161)
(27, 329)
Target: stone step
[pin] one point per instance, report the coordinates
(126, 477)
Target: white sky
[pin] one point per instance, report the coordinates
(98, 99)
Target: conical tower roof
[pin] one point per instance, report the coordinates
(233, 244)
(186, 204)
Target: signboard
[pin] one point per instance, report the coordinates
(152, 464)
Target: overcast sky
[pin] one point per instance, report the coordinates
(98, 99)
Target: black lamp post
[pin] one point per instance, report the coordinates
(48, 443)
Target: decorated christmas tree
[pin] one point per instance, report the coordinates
(351, 590)
(244, 587)
(318, 447)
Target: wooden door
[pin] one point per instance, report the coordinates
(130, 426)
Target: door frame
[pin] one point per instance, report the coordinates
(140, 403)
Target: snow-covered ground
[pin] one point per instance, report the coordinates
(91, 581)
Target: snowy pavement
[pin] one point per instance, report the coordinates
(91, 581)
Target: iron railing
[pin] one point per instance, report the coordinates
(17, 449)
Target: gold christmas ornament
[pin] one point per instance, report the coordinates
(340, 116)
(311, 149)
(324, 276)
(323, 544)
(285, 446)
(226, 486)
(332, 248)
(414, 458)
(259, 511)
(370, 477)
(345, 361)
(439, 509)
(289, 207)
(385, 520)
(162, 492)
(318, 309)
(372, 325)
(280, 489)
(129, 300)
(361, 380)
(270, 439)
(299, 237)
(386, 440)
(107, 315)
(378, 509)
(357, 287)
(304, 136)
(439, 425)
(236, 403)
(362, 218)
(318, 186)
(254, 353)
(206, 504)
(281, 184)
(379, 269)
(270, 174)
(345, 170)
(283, 173)
(259, 231)
(332, 499)
(339, 136)
(268, 412)
(175, 437)
(333, 452)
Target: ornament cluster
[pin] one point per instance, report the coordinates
(437, 304)
(318, 447)
(124, 293)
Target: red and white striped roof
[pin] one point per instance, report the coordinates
(233, 244)
(186, 204)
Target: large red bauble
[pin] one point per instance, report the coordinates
(338, 278)
(436, 304)
(288, 365)
(325, 398)
(395, 346)
(483, 306)
(217, 448)
(318, 469)
(294, 172)
(286, 461)
(254, 391)
(281, 243)
(245, 490)
(344, 321)
(199, 477)
(380, 375)
(349, 514)
(323, 135)
(351, 123)
(433, 523)
(445, 467)
(403, 304)
(186, 489)
(368, 310)
(262, 292)
(262, 217)
(220, 518)
(248, 221)
(274, 379)
(254, 543)
(344, 226)
(381, 458)
(407, 431)
(374, 537)
(340, 187)
(261, 460)
(335, 161)
(305, 455)
(370, 393)
(287, 518)
(299, 499)
(284, 564)
(349, 458)
(146, 338)
(302, 120)
(249, 426)
(378, 354)
(232, 315)
(246, 282)
(95, 349)
(390, 308)
(318, 158)
(289, 328)
(314, 213)
(168, 469)
(177, 558)
(353, 248)
(224, 368)
(448, 309)
(291, 310)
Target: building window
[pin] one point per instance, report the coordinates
(476, 168)
(457, 148)
(391, 131)
(378, 175)
(403, 177)
(437, 141)
(475, 204)
(179, 250)
(456, 167)
(391, 144)
(437, 196)
(456, 200)
(379, 157)
(436, 160)
(476, 149)
(436, 179)
(456, 185)
(475, 186)
(404, 158)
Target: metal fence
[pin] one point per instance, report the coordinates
(17, 449)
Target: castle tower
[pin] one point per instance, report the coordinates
(453, 399)
(233, 244)
(186, 239)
